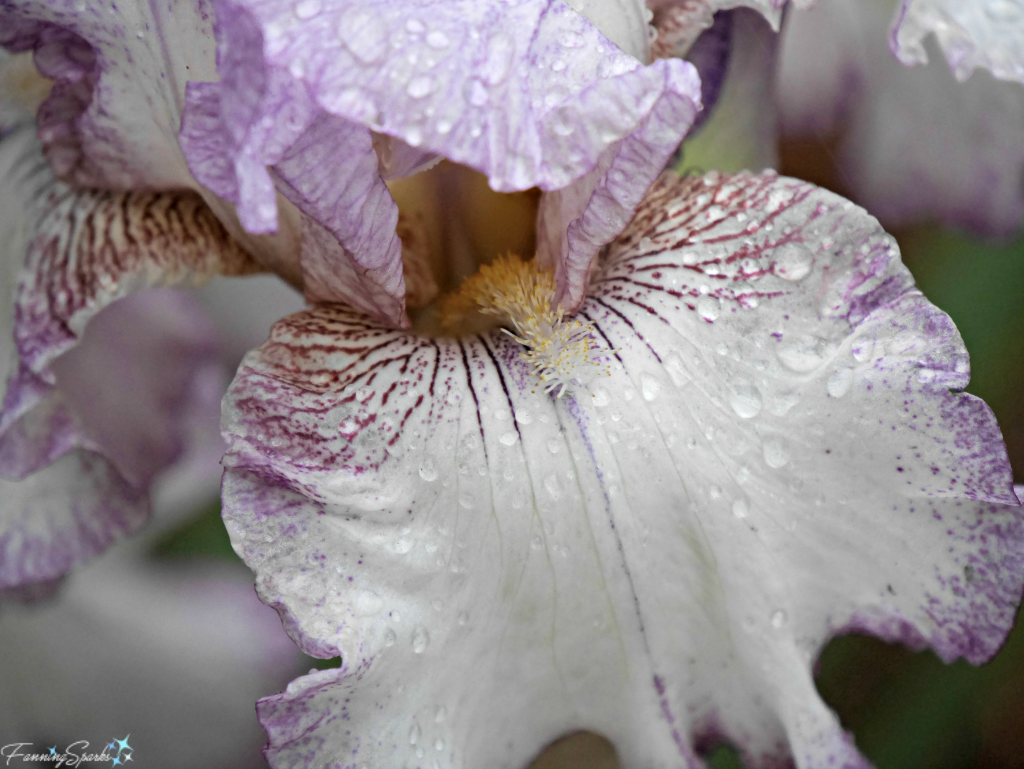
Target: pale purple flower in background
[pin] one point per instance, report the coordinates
(763, 440)
(943, 140)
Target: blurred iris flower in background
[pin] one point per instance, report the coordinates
(564, 443)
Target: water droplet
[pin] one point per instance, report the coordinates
(414, 734)
(524, 417)
(839, 383)
(365, 35)
(440, 714)
(740, 508)
(437, 39)
(649, 387)
(415, 27)
(428, 471)
(709, 308)
(390, 637)
(793, 261)
(571, 40)
(776, 454)
(554, 446)
(800, 355)
(746, 401)
(420, 639)
(307, 9)
(476, 93)
(553, 486)
(463, 618)
(499, 59)
(508, 439)
(715, 492)
(366, 603)
(414, 137)
(349, 427)
(438, 744)
(421, 86)
(779, 619)
(443, 127)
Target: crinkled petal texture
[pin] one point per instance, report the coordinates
(917, 145)
(973, 33)
(780, 453)
(531, 94)
(112, 117)
(106, 396)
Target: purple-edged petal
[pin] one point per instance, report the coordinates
(973, 33)
(110, 396)
(149, 647)
(112, 117)
(781, 452)
(532, 95)
(918, 145)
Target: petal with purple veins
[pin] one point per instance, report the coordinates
(782, 451)
(531, 95)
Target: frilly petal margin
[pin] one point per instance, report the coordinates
(972, 33)
(119, 72)
(531, 95)
(782, 452)
(106, 396)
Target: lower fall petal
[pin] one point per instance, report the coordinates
(781, 451)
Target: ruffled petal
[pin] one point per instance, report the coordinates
(113, 393)
(781, 452)
(532, 95)
(119, 74)
(972, 33)
(678, 23)
(147, 646)
(918, 146)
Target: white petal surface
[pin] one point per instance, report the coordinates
(782, 452)
(972, 33)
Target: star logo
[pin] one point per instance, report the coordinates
(111, 746)
(127, 757)
(123, 744)
(115, 761)
(53, 750)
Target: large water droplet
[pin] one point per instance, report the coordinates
(428, 470)
(709, 308)
(800, 355)
(420, 639)
(365, 35)
(421, 86)
(740, 508)
(776, 453)
(414, 734)
(649, 386)
(499, 59)
(839, 383)
(793, 261)
(476, 93)
(779, 619)
(307, 9)
(437, 39)
(746, 401)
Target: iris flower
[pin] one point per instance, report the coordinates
(630, 485)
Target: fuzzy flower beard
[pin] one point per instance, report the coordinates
(782, 453)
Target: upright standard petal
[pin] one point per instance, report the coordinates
(532, 95)
(782, 451)
(972, 33)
